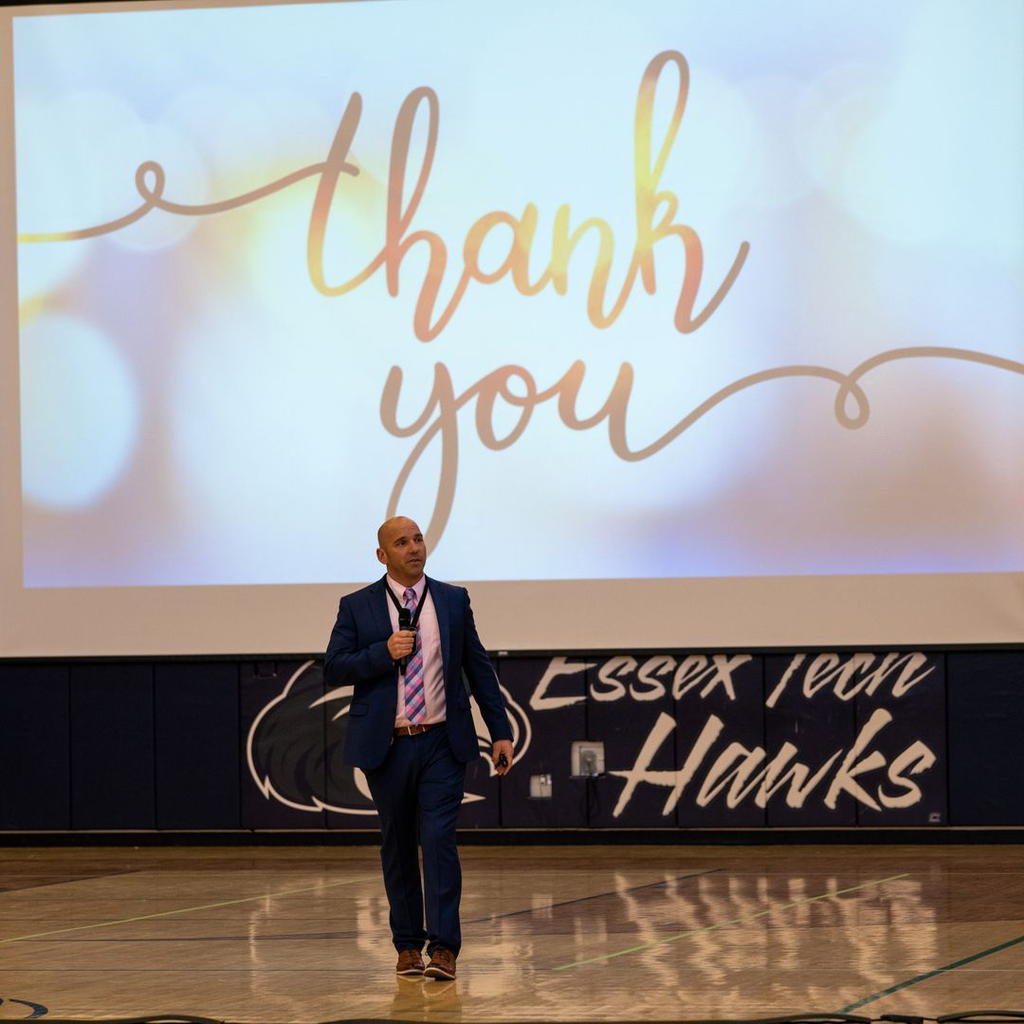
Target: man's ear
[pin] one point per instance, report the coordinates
(381, 557)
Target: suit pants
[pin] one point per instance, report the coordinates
(418, 794)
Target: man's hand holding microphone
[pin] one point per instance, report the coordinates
(403, 640)
(400, 645)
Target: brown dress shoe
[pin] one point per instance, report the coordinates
(409, 962)
(442, 964)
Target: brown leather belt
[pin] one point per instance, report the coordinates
(415, 730)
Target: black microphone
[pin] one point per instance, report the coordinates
(404, 622)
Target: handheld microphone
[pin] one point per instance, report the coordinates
(404, 622)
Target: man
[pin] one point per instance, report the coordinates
(410, 729)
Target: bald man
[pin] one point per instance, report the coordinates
(409, 647)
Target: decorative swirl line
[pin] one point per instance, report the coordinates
(849, 387)
(153, 199)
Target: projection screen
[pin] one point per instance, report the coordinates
(673, 324)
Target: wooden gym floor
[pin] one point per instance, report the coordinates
(551, 933)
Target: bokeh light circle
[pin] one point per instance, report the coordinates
(79, 412)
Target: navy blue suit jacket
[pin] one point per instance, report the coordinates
(357, 655)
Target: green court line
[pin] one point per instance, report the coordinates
(185, 910)
(931, 974)
(725, 924)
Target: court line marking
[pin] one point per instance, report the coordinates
(593, 896)
(187, 910)
(725, 924)
(931, 974)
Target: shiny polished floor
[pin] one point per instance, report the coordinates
(551, 933)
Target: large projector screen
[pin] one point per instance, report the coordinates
(672, 323)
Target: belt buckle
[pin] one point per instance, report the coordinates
(412, 730)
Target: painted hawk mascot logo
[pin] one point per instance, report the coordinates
(295, 743)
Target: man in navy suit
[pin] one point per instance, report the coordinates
(409, 647)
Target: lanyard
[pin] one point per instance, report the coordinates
(401, 607)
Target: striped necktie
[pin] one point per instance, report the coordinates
(415, 706)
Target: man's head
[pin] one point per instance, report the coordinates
(401, 547)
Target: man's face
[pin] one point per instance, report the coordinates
(402, 550)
